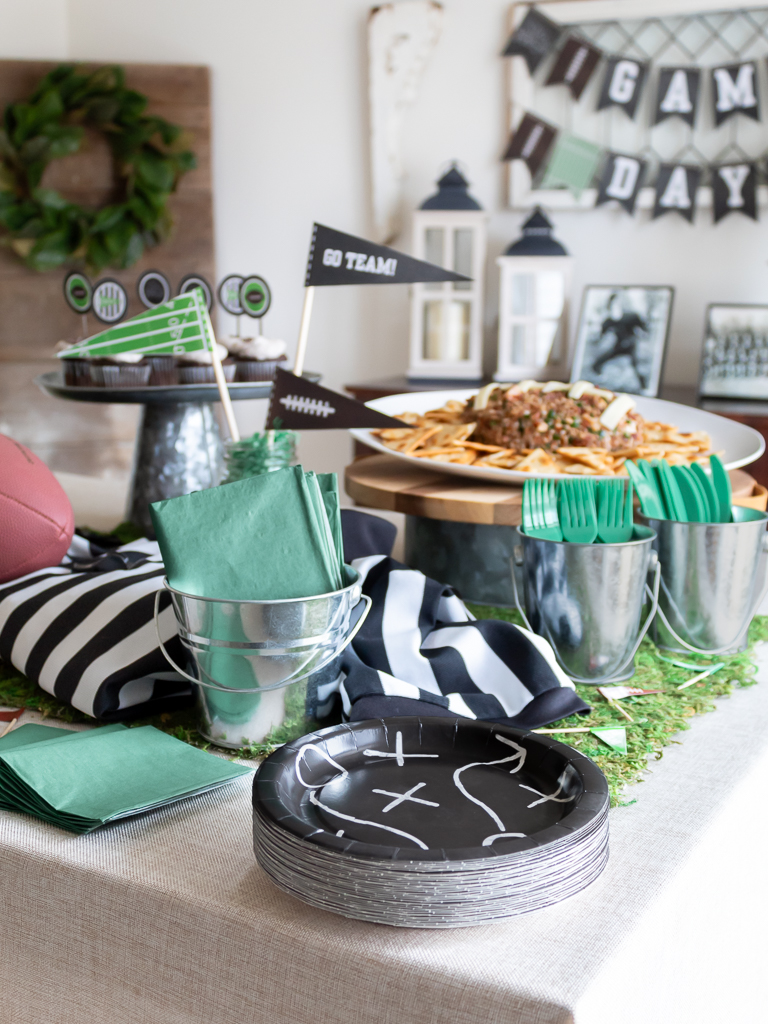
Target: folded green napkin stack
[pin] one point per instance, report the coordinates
(81, 780)
(266, 538)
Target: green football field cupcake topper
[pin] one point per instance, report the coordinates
(255, 298)
(78, 291)
(45, 229)
(229, 297)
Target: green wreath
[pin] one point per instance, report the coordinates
(44, 228)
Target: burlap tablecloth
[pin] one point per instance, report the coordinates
(168, 919)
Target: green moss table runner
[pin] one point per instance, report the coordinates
(656, 718)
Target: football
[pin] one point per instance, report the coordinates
(36, 519)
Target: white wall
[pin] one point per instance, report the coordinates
(290, 129)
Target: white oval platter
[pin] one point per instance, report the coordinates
(738, 443)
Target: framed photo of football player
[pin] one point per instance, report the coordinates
(622, 337)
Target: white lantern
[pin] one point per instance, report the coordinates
(449, 229)
(533, 305)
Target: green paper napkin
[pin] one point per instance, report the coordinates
(80, 780)
(265, 538)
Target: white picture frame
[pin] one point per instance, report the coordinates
(622, 337)
(734, 356)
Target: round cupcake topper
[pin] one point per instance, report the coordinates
(229, 294)
(78, 291)
(255, 296)
(109, 301)
(196, 281)
(154, 289)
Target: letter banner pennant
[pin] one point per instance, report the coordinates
(623, 84)
(531, 142)
(179, 326)
(734, 91)
(676, 186)
(336, 258)
(575, 65)
(621, 180)
(533, 39)
(734, 189)
(677, 93)
(298, 404)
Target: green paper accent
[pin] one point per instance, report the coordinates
(265, 538)
(179, 326)
(572, 164)
(80, 780)
(614, 737)
(329, 487)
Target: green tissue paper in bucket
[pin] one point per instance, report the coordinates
(261, 596)
(256, 539)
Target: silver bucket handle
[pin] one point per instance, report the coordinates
(654, 596)
(293, 678)
(740, 634)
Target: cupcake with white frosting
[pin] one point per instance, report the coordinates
(197, 367)
(256, 358)
(124, 370)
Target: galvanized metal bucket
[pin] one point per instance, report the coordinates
(253, 658)
(709, 579)
(587, 601)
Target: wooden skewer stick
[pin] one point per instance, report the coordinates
(218, 371)
(306, 315)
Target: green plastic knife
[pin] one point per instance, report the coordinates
(696, 508)
(673, 499)
(722, 485)
(707, 488)
(646, 493)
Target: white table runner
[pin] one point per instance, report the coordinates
(168, 919)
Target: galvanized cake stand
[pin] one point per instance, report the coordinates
(178, 448)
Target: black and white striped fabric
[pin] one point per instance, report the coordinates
(421, 652)
(84, 631)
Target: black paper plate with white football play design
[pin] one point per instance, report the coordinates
(430, 822)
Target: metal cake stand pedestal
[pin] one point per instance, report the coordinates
(178, 448)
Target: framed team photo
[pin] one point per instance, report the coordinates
(622, 337)
(734, 360)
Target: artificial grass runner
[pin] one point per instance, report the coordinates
(657, 717)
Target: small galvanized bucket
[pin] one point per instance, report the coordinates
(253, 658)
(587, 601)
(709, 574)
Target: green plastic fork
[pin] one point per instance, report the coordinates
(540, 510)
(576, 508)
(614, 511)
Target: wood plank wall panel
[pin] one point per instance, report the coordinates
(75, 437)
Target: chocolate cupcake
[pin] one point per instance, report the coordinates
(124, 371)
(163, 370)
(77, 373)
(257, 358)
(196, 367)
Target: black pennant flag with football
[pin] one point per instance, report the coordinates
(336, 258)
(297, 404)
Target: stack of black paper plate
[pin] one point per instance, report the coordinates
(430, 822)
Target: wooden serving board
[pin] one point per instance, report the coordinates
(382, 481)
